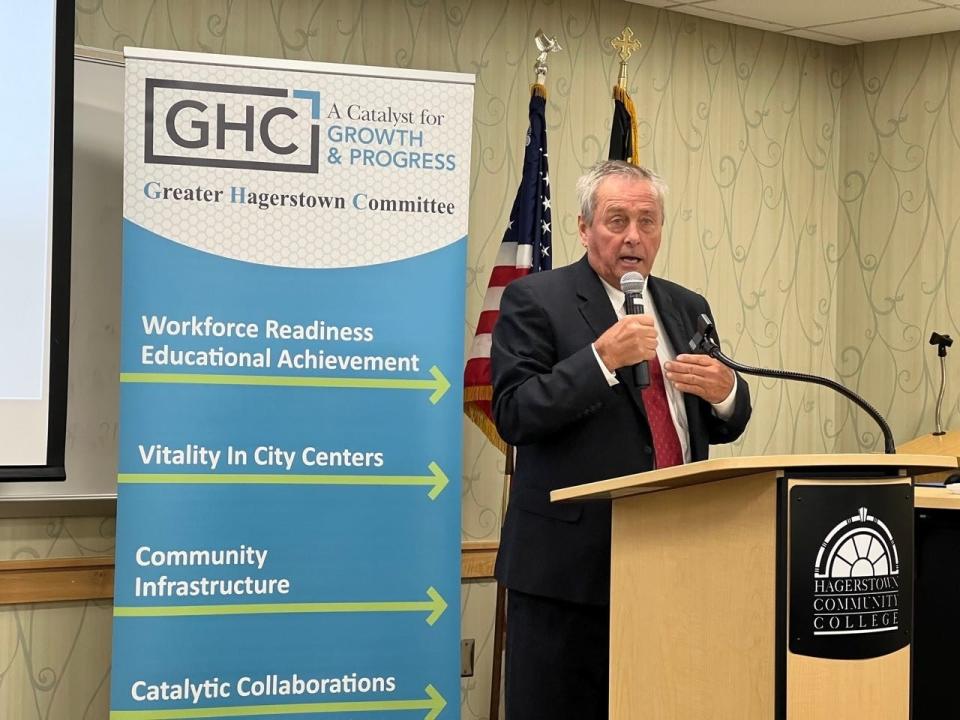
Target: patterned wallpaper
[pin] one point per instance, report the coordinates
(898, 222)
(810, 202)
(55, 657)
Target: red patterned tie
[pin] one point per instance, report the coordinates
(666, 443)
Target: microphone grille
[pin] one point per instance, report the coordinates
(632, 282)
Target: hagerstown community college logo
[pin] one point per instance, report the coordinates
(857, 579)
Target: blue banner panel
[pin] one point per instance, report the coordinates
(288, 531)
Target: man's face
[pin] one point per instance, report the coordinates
(625, 233)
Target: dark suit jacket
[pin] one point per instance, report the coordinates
(552, 401)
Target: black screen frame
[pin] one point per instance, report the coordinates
(61, 223)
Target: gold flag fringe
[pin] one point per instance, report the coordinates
(479, 418)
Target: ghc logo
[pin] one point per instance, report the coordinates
(232, 126)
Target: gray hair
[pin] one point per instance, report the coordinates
(589, 182)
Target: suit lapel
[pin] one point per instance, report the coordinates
(595, 304)
(672, 320)
(670, 317)
(598, 313)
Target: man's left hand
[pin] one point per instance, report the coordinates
(700, 375)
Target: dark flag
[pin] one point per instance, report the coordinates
(525, 249)
(623, 133)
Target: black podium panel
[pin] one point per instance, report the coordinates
(936, 638)
(851, 569)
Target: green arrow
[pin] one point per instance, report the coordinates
(434, 703)
(439, 384)
(442, 385)
(437, 480)
(436, 605)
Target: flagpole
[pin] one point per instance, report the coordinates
(545, 45)
(500, 611)
(625, 44)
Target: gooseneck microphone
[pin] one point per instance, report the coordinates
(943, 342)
(632, 284)
(705, 341)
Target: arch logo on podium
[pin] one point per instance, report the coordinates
(851, 573)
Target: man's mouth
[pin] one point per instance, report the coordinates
(630, 260)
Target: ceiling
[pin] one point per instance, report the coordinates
(840, 22)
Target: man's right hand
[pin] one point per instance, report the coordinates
(630, 340)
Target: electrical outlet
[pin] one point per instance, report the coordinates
(466, 657)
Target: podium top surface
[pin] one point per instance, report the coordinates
(722, 468)
(936, 498)
(946, 444)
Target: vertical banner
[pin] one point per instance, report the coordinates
(288, 530)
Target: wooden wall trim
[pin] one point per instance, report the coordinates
(477, 559)
(56, 580)
(91, 578)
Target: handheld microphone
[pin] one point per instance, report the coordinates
(943, 342)
(632, 284)
(705, 341)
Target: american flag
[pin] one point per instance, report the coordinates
(525, 248)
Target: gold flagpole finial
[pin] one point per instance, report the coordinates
(545, 45)
(625, 44)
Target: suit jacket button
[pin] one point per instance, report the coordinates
(647, 449)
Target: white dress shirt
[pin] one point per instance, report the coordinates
(665, 353)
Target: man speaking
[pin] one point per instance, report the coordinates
(565, 394)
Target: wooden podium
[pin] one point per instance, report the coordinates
(775, 587)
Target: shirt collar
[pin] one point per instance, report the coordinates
(616, 296)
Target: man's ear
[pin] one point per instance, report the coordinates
(582, 230)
